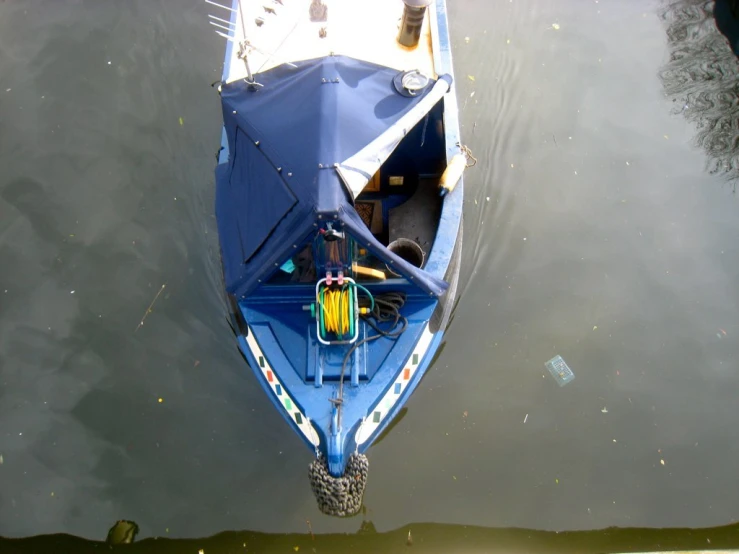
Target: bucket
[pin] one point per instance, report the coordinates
(407, 249)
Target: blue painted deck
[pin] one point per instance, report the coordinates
(288, 342)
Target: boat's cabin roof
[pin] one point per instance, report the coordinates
(302, 149)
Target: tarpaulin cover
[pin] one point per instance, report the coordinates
(286, 140)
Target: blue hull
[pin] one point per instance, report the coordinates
(337, 398)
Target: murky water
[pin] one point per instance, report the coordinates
(601, 225)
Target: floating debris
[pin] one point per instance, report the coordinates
(560, 370)
(604, 410)
(182, 122)
(161, 400)
(662, 462)
(526, 418)
(123, 532)
(467, 40)
(310, 528)
(148, 310)
(555, 26)
(471, 77)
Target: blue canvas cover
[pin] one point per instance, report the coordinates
(285, 142)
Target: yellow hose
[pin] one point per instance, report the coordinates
(367, 271)
(336, 310)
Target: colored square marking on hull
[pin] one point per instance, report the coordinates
(376, 417)
(407, 373)
(288, 404)
(278, 390)
(270, 377)
(415, 359)
(298, 418)
(396, 389)
(261, 361)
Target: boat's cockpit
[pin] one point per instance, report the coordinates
(332, 251)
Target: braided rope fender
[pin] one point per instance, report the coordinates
(339, 496)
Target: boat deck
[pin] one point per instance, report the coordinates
(282, 31)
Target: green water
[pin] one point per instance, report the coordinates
(601, 225)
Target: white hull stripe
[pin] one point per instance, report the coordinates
(285, 400)
(380, 411)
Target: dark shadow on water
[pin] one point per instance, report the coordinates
(400, 415)
(416, 537)
(701, 77)
(726, 13)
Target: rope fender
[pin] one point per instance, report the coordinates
(339, 496)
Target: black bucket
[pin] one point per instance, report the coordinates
(407, 249)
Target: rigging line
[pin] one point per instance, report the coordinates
(226, 21)
(229, 29)
(272, 55)
(241, 17)
(219, 5)
(227, 37)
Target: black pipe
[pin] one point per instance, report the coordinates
(412, 22)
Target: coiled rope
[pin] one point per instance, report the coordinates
(471, 160)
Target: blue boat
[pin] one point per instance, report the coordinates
(339, 206)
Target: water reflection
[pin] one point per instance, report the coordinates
(701, 78)
(427, 537)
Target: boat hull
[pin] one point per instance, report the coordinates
(370, 401)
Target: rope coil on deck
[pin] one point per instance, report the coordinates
(339, 496)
